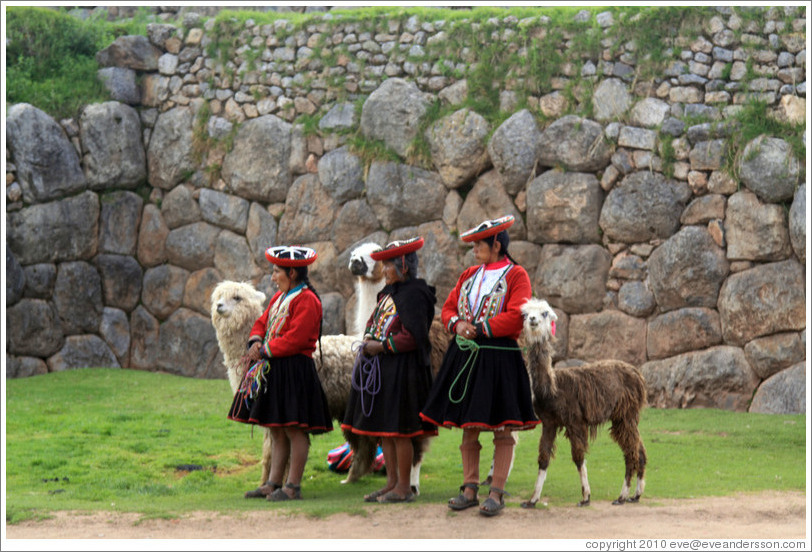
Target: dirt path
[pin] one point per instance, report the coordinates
(763, 515)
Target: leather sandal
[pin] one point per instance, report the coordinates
(279, 495)
(461, 502)
(392, 497)
(373, 496)
(490, 507)
(263, 490)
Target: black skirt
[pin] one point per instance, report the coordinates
(289, 394)
(387, 403)
(490, 392)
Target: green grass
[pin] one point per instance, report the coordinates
(114, 438)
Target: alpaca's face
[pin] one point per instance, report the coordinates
(362, 264)
(230, 298)
(539, 320)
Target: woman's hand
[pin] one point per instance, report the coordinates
(372, 347)
(254, 353)
(465, 329)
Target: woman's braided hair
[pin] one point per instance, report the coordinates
(301, 276)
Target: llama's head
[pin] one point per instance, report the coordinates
(539, 320)
(362, 264)
(234, 304)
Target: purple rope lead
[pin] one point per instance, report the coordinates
(366, 376)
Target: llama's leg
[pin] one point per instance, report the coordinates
(641, 473)
(420, 445)
(546, 443)
(578, 445)
(363, 449)
(625, 434)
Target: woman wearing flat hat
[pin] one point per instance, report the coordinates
(482, 384)
(392, 376)
(281, 390)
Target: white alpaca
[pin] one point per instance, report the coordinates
(235, 306)
(368, 282)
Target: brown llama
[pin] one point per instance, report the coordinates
(579, 399)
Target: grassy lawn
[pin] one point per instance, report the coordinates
(100, 439)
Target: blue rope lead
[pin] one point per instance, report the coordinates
(366, 376)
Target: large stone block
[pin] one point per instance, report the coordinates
(224, 210)
(797, 223)
(514, 149)
(768, 168)
(770, 354)
(192, 246)
(131, 51)
(33, 328)
(152, 235)
(644, 205)
(609, 334)
(342, 174)
(763, 300)
(576, 144)
(564, 207)
(47, 163)
(783, 393)
(163, 289)
(687, 270)
(198, 290)
(489, 200)
(169, 157)
(63, 230)
(120, 219)
(188, 346)
(83, 351)
(114, 155)
(755, 231)
(682, 330)
(309, 212)
(573, 278)
(233, 259)
(402, 195)
(78, 297)
(718, 377)
(392, 114)
(266, 177)
(459, 150)
(121, 277)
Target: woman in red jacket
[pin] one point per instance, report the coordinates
(282, 390)
(483, 384)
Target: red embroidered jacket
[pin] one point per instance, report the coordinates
(499, 312)
(293, 330)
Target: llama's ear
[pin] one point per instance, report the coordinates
(260, 296)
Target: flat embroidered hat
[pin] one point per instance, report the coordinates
(397, 249)
(290, 255)
(487, 229)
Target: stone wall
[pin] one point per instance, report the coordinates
(120, 222)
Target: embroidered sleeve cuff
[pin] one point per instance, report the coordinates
(251, 341)
(389, 345)
(452, 323)
(266, 350)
